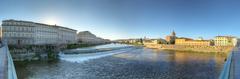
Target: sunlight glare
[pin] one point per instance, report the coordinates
(51, 22)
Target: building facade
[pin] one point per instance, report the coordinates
(131, 41)
(89, 38)
(171, 38)
(225, 41)
(1, 33)
(188, 41)
(154, 41)
(17, 32)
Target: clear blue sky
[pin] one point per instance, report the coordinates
(115, 19)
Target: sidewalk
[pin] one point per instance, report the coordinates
(236, 64)
(3, 64)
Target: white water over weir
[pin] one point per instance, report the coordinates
(81, 55)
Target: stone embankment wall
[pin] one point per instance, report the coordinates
(33, 52)
(22, 54)
(224, 49)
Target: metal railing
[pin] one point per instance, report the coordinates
(226, 72)
(11, 68)
(9, 71)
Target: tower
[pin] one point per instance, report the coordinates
(171, 38)
(173, 33)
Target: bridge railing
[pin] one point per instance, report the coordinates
(8, 68)
(11, 68)
(226, 72)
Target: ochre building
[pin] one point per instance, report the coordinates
(188, 41)
(225, 41)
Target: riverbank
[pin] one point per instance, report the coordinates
(208, 49)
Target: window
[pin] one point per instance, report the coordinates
(20, 28)
(5, 34)
(16, 29)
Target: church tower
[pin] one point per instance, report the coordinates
(171, 38)
(173, 33)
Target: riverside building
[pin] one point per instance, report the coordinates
(188, 41)
(17, 32)
(89, 38)
(154, 41)
(171, 38)
(225, 41)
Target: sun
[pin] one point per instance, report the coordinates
(51, 22)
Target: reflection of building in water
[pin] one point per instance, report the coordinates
(221, 57)
(183, 57)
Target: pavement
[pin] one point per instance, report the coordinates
(236, 64)
(3, 64)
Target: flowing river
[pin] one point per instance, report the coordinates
(125, 62)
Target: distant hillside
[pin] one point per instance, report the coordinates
(89, 38)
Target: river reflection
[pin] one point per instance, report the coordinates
(139, 63)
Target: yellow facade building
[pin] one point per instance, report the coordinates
(154, 41)
(224, 41)
(188, 41)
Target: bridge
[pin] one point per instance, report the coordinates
(231, 69)
(7, 69)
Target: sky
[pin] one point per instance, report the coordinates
(121, 19)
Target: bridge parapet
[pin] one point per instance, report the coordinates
(231, 68)
(226, 72)
(7, 68)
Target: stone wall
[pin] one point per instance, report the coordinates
(191, 48)
(33, 52)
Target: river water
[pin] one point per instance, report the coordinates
(127, 63)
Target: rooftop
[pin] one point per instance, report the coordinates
(12, 20)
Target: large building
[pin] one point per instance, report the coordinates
(171, 38)
(89, 38)
(17, 32)
(131, 41)
(188, 41)
(225, 41)
(0, 33)
(154, 41)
